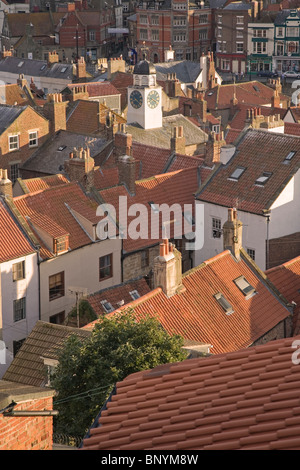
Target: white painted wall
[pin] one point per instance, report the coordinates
(10, 291)
(81, 268)
(254, 234)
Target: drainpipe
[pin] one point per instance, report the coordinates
(267, 214)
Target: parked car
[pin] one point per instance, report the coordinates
(267, 73)
(291, 74)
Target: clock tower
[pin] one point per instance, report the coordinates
(144, 97)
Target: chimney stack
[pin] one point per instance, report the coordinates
(232, 233)
(80, 167)
(127, 172)
(80, 68)
(115, 64)
(123, 143)
(167, 269)
(213, 148)
(178, 141)
(21, 81)
(53, 58)
(6, 187)
(55, 111)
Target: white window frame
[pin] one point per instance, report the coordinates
(11, 145)
(31, 139)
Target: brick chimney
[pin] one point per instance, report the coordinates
(6, 186)
(232, 233)
(275, 100)
(55, 111)
(80, 167)
(80, 68)
(178, 141)
(123, 143)
(167, 269)
(21, 81)
(213, 148)
(115, 64)
(53, 58)
(79, 92)
(172, 86)
(127, 172)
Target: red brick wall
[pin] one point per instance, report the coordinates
(28, 433)
(27, 120)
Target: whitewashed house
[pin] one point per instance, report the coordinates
(261, 179)
(19, 286)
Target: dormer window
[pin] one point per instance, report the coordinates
(61, 244)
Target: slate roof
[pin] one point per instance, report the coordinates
(246, 400)
(195, 314)
(13, 242)
(162, 136)
(43, 22)
(282, 16)
(50, 157)
(36, 68)
(186, 70)
(258, 151)
(238, 6)
(8, 114)
(46, 340)
(286, 279)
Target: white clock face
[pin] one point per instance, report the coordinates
(153, 99)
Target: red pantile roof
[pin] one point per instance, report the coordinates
(195, 314)
(121, 81)
(286, 279)
(292, 128)
(36, 184)
(252, 93)
(239, 119)
(169, 188)
(51, 208)
(84, 117)
(258, 151)
(13, 242)
(98, 88)
(246, 400)
(117, 294)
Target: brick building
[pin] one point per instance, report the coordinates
(232, 35)
(22, 131)
(186, 26)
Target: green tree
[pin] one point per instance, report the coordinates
(88, 369)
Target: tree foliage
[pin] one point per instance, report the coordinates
(88, 369)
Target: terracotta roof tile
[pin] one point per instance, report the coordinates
(36, 184)
(286, 279)
(13, 242)
(96, 89)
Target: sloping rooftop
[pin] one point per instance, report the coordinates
(195, 314)
(32, 185)
(36, 68)
(286, 278)
(162, 136)
(96, 89)
(9, 114)
(46, 340)
(186, 71)
(246, 400)
(114, 295)
(51, 208)
(13, 242)
(49, 158)
(260, 154)
(171, 188)
(43, 22)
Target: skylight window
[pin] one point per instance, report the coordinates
(289, 157)
(63, 70)
(224, 303)
(20, 64)
(61, 148)
(107, 306)
(255, 88)
(261, 181)
(134, 294)
(237, 173)
(245, 287)
(43, 67)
